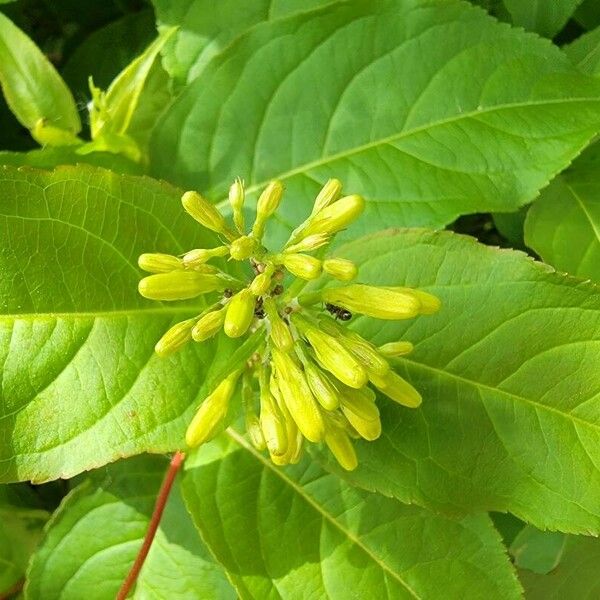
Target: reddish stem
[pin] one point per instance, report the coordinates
(13, 591)
(159, 507)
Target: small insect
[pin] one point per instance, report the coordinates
(227, 293)
(259, 311)
(340, 313)
(277, 290)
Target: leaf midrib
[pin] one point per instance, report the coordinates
(324, 160)
(101, 313)
(301, 493)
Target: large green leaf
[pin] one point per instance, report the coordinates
(81, 385)
(585, 52)
(563, 225)
(300, 532)
(508, 370)
(577, 577)
(375, 93)
(93, 538)
(205, 28)
(543, 16)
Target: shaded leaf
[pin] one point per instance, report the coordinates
(546, 18)
(585, 52)
(281, 530)
(538, 551)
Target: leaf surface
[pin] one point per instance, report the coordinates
(546, 18)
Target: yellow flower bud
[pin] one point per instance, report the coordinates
(272, 423)
(398, 389)
(240, 314)
(250, 417)
(301, 265)
(196, 258)
(175, 338)
(329, 193)
(179, 285)
(332, 355)
(293, 435)
(279, 331)
(361, 411)
(243, 247)
(208, 325)
(318, 382)
(340, 268)
(267, 204)
(341, 447)
(377, 302)
(159, 263)
(336, 216)
(212, 411)
(262, 282)
(297, 396)
(205, 213)
(308, 244)
(396, 349)
(236, 199)
(429, 303)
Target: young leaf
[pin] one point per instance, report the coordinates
(277, 531)
(508, 371)
(94, 536)
(81, 383)
(375, 93)
(538, 551)
(563, 225)
(546, 18)
(33, 89)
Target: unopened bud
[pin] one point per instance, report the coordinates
(179, 285)
(301, 265)
(175, 338)
(340, 268)
(262, 282)
(336, 216)
(429, 303)
(199, 256)
(210, 415)
(159, 263)
(318, 382)
(208, 325)
(329, 193)
(250, 417)
(396, 349)
(205, 213)
(267, 204)
(280, 332)
(399, 390)
(341, 447)
(243, 247)
(240, 314)
(361, 411)
(272, 422)
(236, 199)
(308, 244)
(377, 302)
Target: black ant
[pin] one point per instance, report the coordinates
(259, 311)
(340, 313)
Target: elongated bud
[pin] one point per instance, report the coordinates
(398, 389)
(429, 303)
(280, 332)
(206, 421)
(205, 213)
(267, 204)
(199, 256)
(297, 397)
(243, 247)
(272, 421)
(159, 263)
(262, 282)
(208, 325)
(301, 265)
(240, 314)
(340, 268)
(175, 338)
(336, 216)
(396, 349)
(341, 447)
(332, 355)
(380, 303)
(309, 244)
(236, 199)
(318, 382)
(329, 193)
(359, 408)
(251, 419)
(179, 285)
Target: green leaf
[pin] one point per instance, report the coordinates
(538, 551)
(546, 18)
(33, 89)
(576, 577)
(93, 538)
(563, 225)
(81, 384)
(335, 92)
(280, 530)
(588, 14)
(510, 225)
(585, 52)
(205, 28)
(509, 378)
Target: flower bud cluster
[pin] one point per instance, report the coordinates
(311, 378)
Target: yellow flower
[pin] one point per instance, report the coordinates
(179, 285)
(206, 213)
(239, 314)
(175, 338)
(159, 263)
(340, 268)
